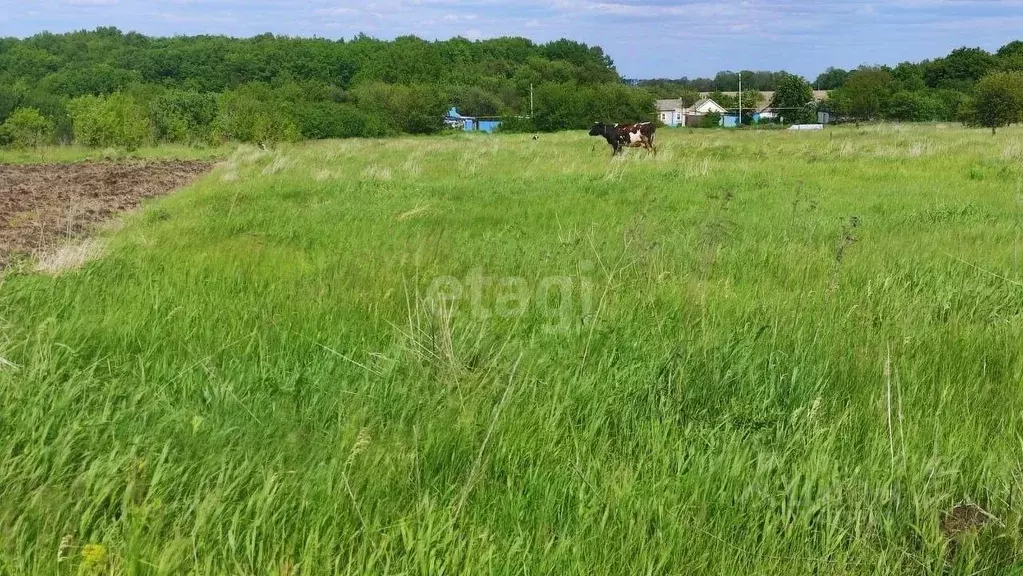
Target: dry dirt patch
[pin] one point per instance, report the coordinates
(43, 205)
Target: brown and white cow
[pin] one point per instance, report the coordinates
(621, 136)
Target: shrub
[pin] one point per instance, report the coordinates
(712, 120)
(183, 116)
(516, 124)
(26, 128)
(561, 107)
(570, 106)
(111, 121)
(413, 108)
(949, 102)
(251, 113)
(332, 120)
(909, 106)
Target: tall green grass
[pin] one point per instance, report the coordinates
(778, 353)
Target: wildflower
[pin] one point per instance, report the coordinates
(94, 557)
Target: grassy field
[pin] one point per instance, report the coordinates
(755, 353)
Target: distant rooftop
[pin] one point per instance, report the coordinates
(767, 96)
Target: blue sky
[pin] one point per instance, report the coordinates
(646, 38)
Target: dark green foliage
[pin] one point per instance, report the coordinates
(560, 107)
(474, 101)
(92, 80)
(949, 103)
(671, 89)
(193, 89)
(254, 113)
(271, 87)
(727, 81)
(910, 76)
(999, 100)
(865, 92)
(10, 100)
(712, 120)
(26, 128)
(1010, 56)
(412, 109)
(618, 103)
(183, 116)
(909, 106)
(116, 121)
(960, 70)
(831, 79)
(569, 106)
(794, 98)
(335, 120)
(516, 124)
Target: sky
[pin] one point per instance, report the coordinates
(646, 38)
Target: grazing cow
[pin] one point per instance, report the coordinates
(621, 136)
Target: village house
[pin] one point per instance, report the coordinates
(676, 113)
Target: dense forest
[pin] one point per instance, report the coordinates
(105, 87)
(110, 88)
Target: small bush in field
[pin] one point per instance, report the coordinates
(252, 113)
(26, 128)
(109, 121)
(712, 120)
(183, 116)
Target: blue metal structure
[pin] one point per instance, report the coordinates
(470, 123)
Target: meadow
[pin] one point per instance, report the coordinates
(754, 353)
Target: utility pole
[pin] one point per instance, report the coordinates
(740, 99)
(530, 99)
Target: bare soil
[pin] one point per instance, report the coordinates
(44, 204)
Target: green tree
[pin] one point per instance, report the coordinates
(474, 101)
(998, 100)
(725, 100)
(906, 106)
(792, 97)
(95, 80)
(115, 120)
(831, 79)
(726, 81)
(866, 92)
(960, 70)
(910, 76)
(561, 107)
(949, 103)
(10, 100)
(617, 103)
(751, 99)
(26, 128)
(1010, 56)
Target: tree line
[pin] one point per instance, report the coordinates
(109, 88)
(969, 85)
